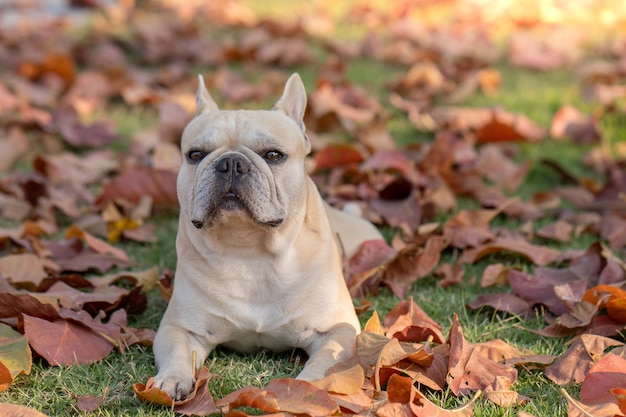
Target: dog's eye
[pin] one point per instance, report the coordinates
(196, 155)
(273, 156)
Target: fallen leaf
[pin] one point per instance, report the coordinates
(148, 393)
(578, 409)
(334, 156)
(604, 375)
(408, 322)
(15, 354)
(145, 279)
(365, 266)
(494, 164)
(502, 395)
(401, 213)
(283, 394)
(506, 302)
(423, 407)
(136, 183)
(399, 389)
(558, 48)
(13, 410)
(94, 243)
(570, 122)
(5, 377)
(341, 381)
(411, 264)
(58, 63)
(494, 274)
(200, 402)
(63, 342)
(24, 270)
(539, 255)
(469, 370)
(620, 395)
(89, 403)
(560, 231)
(572, 366)
(66, 121)
(13, 305)
(354, 403)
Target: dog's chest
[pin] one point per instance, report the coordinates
(262, 311)
(253, 326)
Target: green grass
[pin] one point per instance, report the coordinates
(538, 95)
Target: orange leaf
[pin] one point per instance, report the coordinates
(199, 402)
(616, 308)
(399, 389)
(620, 394)
(53, 63)
(506, 127)
(291, 392)
(251, 397)
(5, 377)
(153, 395)
(373, 325)
(600, 294)
(344, 381)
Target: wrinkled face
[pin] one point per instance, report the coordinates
(241, 165)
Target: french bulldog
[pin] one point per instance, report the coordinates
(259, 264)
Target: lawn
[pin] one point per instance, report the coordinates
(537, 94)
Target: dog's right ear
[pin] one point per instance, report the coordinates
(204, 101)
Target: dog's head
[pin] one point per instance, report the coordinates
(244, 164)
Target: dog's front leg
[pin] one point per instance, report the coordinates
(328, 348)
(174, 355)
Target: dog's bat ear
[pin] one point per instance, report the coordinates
(204, 101)
(293, 102)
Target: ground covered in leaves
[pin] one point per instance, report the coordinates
(486, 141)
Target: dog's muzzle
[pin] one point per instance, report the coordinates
(233, 188)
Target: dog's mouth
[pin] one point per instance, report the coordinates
(231, 202)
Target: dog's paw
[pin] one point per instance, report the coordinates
(178, 386)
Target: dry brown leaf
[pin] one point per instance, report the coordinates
(89, 403)
(570, 122)
(539, 255)
(23, 270)
(469, 370)
(573, 365)
(506, 302)
(14, 410)
(345, 380)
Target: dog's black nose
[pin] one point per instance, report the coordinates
(232, 164)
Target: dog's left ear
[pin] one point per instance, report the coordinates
(204, 101)
(293, 102)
